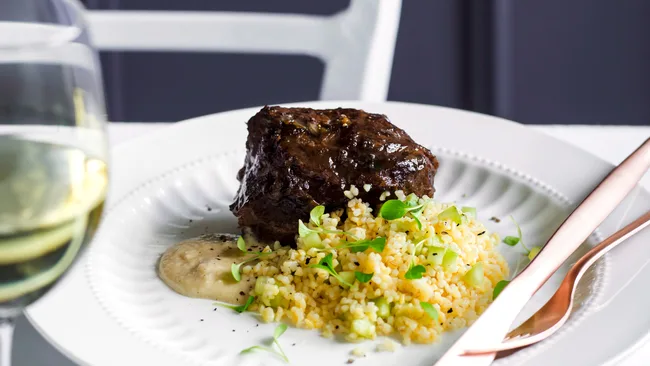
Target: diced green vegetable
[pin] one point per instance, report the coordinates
(312, 240)
(411, 200)
(383, 307)
(533, 252)
(474, 277)
(449, 260)
(363, 328)
(347, 276)
(498, 288)
(260, 283)
(469, 211)
(451, 214)
(436, 254)
(429, 310)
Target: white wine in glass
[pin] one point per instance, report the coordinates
(53, 150)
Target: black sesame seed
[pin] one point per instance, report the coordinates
(434, 254)
(356, 263)
(481, 233)
(307, 260)
(450, 311)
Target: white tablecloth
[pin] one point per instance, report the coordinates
(612, 144)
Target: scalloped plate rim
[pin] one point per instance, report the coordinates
(37, 313)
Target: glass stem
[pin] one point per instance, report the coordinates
(6, 338)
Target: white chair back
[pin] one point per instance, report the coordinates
(356, 45)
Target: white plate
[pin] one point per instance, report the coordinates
(112, 310)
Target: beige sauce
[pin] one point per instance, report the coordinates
(200, 267)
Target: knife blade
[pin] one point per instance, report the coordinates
(492, 326)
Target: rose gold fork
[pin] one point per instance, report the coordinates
(556, 311)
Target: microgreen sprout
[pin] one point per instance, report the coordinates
(327, 265)
(315, 218)
(315, 215)
(241, 244)
(241, 308)
(279, 330)
(415, 271)
(363, 277)
(235, 268)
(429, 310)
(514, 240)
(396, 209)
(377, 244)
(499, 287)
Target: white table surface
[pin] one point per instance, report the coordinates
(612, 144)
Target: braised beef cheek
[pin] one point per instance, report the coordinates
(298, 158)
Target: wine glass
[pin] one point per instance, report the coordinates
(53, 149)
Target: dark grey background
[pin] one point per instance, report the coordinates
(534, 61)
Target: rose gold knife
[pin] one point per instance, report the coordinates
(492, 326)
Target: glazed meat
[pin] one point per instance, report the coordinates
(298, 158)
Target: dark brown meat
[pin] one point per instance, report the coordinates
(298, 158)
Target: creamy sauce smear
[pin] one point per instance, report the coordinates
(200, 267)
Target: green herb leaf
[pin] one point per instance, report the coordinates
(326, 265)
(429, 310)
(241, 244)
(234, 269)
(363, 277)
(511, 240)
(316, 214)
(498, 288)
(279, 330)
(241, 308)
(358, 246)
(303, 230)
(327, 261)
(416, 217)
(452, 214)
(378, 244)
(415, 272)
(393, 210)
(521, 237)
(256, 348)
